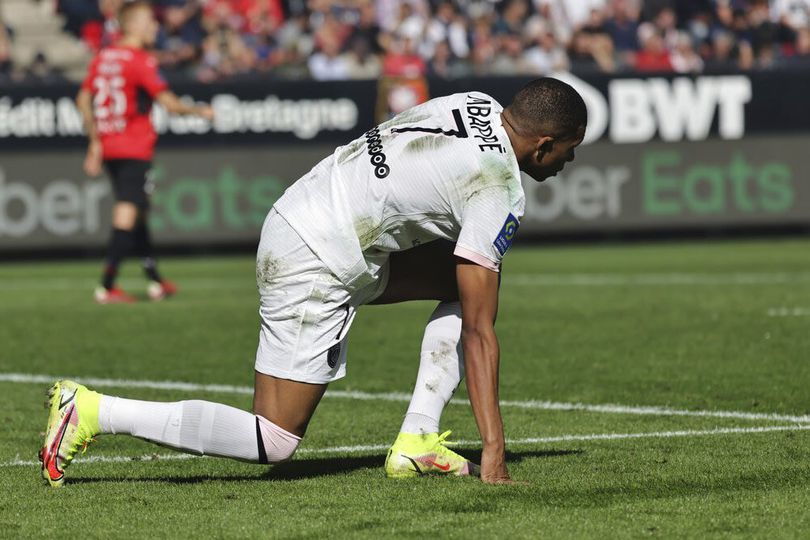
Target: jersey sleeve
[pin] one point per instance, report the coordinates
(149, 77)
(489, 224)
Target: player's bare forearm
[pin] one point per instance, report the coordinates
(174, 105)
(481, 359)
(478, 292)
(93, 159)
(84, 102)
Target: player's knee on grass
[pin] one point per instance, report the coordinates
(278, 444)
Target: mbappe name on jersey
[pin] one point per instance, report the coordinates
(479, 109)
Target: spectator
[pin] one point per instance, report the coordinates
(794, 14)
(745, 56)
(102, 31)
(411, 23)
(367, 28)
(622, 27)
(446, 27)
(77, 13)
(6, 63)
(595, 24)
(653, 55)
(684, 58)
(724, 13)
(331, 33)
(764, 32)
(512, 19)
(40, 71)
(484, 46)
(262, 17)
(722, 54)
(700, 27)
(293, 46)
(181, 37)
(401, 59)
(328, 64)
(591, 52)
(447, 38)
(740, 26)
(225, 54)
(801, 56)
(360, 61)
(387, 14)
(444, 65)
(651, 8)
(726, 53)
(264, 50)
(218, 14)
(546, 56)
(568, 16)
(691, 10)
(293, 35)
(768, 57)
(508, 59)
(666, 25)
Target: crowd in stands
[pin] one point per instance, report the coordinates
(38, 70)
(362, 39)
(5, 51)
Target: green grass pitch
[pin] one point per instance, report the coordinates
(682, 327)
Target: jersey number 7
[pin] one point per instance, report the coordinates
(459, 132)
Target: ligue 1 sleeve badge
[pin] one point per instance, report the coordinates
(504, 239)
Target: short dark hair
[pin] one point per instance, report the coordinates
(130, 6)
(547, 106)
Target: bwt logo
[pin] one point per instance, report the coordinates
(679, 109)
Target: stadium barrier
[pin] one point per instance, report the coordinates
(662, 154)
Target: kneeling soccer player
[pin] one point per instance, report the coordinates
(422, 207)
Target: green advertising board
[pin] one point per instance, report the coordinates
(219, 196)
(656, 186)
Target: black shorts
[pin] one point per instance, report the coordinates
(130, 180)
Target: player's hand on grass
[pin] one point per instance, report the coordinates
(493, 466)
(93, 159)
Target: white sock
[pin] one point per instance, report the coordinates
(441, 368)
(199, 427)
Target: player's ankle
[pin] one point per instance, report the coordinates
(89, 403)
(419, 424)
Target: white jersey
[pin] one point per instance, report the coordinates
(444, 169)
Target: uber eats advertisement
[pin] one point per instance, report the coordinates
(674, 153)
(659, 185)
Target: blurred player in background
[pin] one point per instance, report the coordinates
(422, 207)
(115, 102)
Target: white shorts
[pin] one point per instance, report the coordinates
(306, 312)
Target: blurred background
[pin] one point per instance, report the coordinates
(699, 116)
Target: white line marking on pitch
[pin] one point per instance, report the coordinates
(655, 278)
(789, 312)
(514, 442)
(68, 284)
(401, 397)
(540, 280)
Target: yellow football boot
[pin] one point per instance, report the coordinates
(72, 423)
(416, 455)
